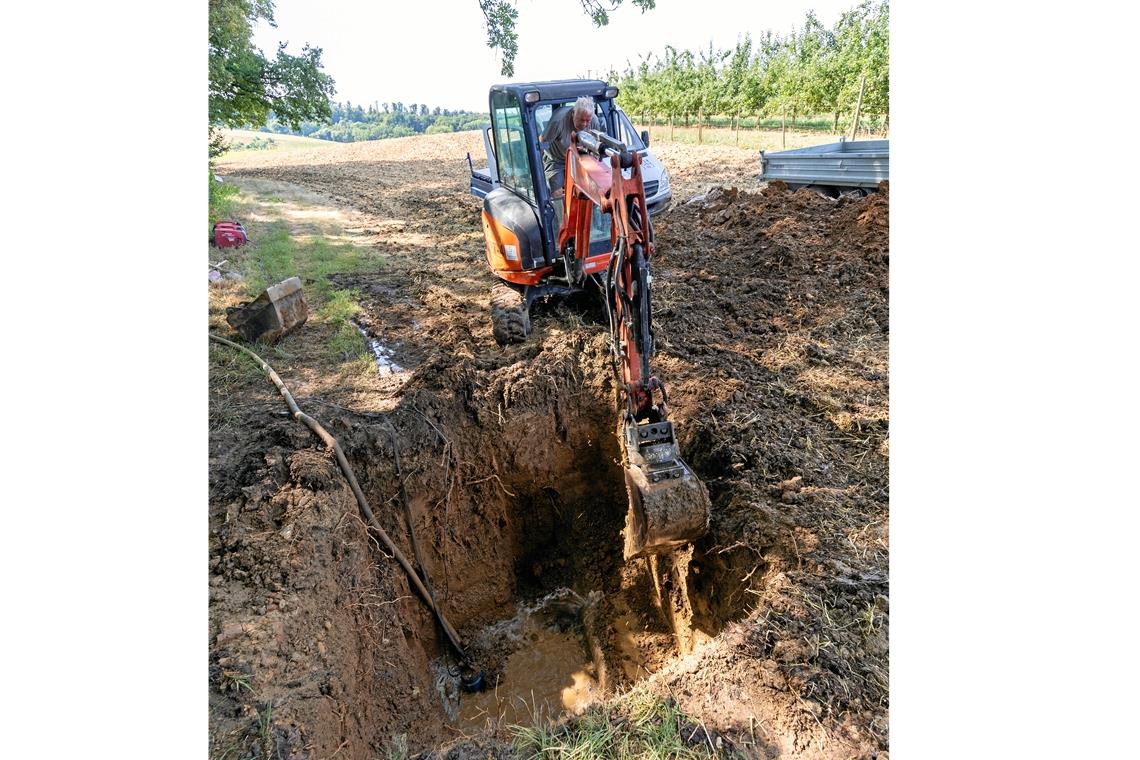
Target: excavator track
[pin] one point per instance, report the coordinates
(510, 321)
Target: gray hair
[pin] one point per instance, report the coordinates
(584, 104)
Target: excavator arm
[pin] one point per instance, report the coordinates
(668, 504)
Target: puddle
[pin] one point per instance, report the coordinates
(539, 662)
(384, 363)
(552, 674)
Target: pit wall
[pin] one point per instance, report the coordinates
(516, 489)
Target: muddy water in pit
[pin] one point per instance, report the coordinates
(567, 651)
(550, 675)
(545, 660)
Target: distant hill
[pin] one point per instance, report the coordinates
(248, 140)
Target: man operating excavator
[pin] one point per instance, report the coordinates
(555, 141)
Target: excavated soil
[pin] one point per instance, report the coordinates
(771, 316)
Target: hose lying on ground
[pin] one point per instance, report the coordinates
(331, 442)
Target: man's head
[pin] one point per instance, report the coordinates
(583, 112)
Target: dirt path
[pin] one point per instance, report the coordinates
(771, 310)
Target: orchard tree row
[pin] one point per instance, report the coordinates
(841, 73)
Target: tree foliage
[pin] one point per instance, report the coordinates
(347, 122)
(500, 17)
(813, 70)
(245, 85)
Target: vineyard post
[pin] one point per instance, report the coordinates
(858, 107)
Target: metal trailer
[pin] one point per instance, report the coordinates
(832, 168)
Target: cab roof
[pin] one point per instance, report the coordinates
(559, 89)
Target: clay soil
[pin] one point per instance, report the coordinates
(771, 318)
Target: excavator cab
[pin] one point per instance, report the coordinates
(605, 239)
(517, 202)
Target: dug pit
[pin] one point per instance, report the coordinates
(518, 497)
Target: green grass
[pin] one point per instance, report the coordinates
(276, 253)
(749, 139)
(813, 123)
(235, 681)
(639, 726)
(348, 344)
(223, 200)
(397, 748)
(254, 142)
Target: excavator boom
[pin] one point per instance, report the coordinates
(668, 504)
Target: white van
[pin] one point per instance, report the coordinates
(655, 178)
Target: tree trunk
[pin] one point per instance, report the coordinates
(670, 127)
(835, 124)
(700, 126)
(736, 127)
(858, 107)
(886, 124)
(784, 127)
(686, 118)
(757, 121)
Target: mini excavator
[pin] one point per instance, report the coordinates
(605, 240)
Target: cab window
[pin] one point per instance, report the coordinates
(510, 145)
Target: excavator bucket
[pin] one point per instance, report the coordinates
(668, 504)
(278, 311)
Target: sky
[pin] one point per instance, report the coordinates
(436, 52)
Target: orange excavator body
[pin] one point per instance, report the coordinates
(603, 237)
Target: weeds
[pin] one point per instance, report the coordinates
(641, 725)
(397, 749)
(348, 342)
(223, 199)
(233, 368)
(276, 253)
(226, 754)
(235, 681)
(265, 728)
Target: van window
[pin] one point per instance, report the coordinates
(542, 116)
(627, 134)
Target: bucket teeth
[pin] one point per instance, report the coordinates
(668, 504)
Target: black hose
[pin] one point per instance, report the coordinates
(332, 443)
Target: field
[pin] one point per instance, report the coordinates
(748, 138)
(241, 141)
(767, 638)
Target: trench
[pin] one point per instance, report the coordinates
(528, 566)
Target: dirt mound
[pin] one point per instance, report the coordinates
(771, 319)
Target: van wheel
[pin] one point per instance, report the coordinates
(510, 321)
